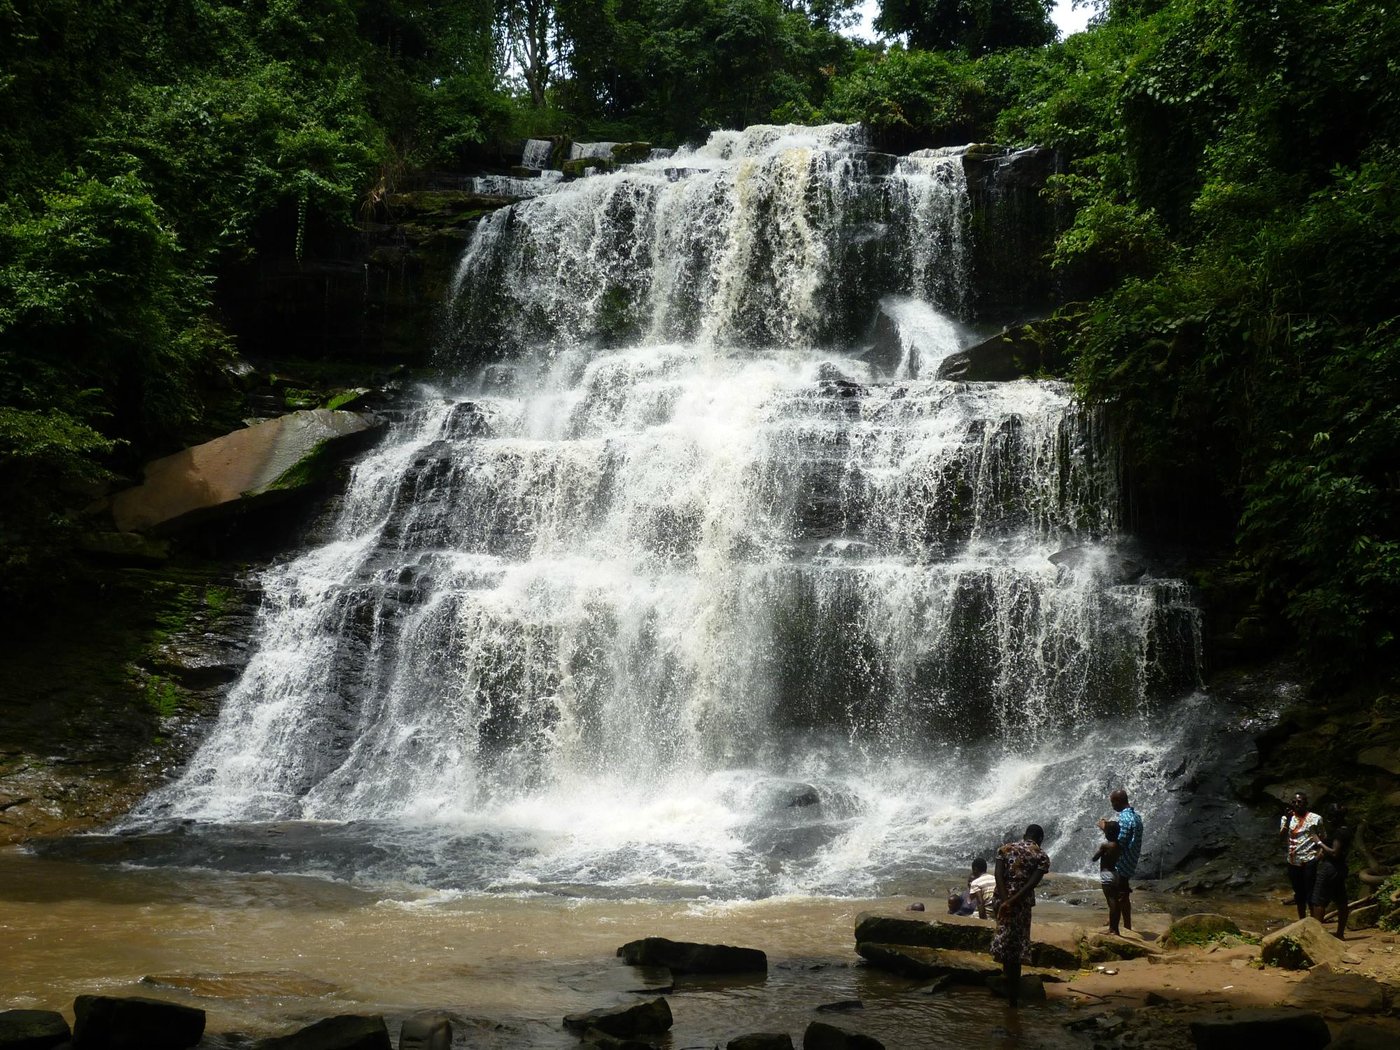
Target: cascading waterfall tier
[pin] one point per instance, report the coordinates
(682, 593)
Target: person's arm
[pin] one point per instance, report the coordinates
(1000, 873)
(981, 895)
(1028, 887)
(1098, 852)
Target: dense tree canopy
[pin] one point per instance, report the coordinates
(974, 26)
(1229, 197)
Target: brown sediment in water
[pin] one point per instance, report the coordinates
(264, 954)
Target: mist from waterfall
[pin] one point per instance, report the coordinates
(693, 587)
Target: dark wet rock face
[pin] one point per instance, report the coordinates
(109, 1023)
(644, 1018)
(1276, 1029)
(32, 1029)
(346, 1032)
(821, 1036)
(685, 957)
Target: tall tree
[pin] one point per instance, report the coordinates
(974, 26)
(533, 34)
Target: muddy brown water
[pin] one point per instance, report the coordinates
(280, 951)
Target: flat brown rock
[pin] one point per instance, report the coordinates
(256, 461)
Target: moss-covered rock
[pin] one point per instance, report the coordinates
(1200, 928)
(580, 166)
(631, 152)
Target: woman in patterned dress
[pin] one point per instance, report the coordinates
(1020, 867)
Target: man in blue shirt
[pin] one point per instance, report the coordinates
(1130, 844)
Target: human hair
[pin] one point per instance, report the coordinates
(979, 866)
(1111, 829)
(1035, 833)
(1118, 798)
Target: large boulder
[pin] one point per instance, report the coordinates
(1304, 944)
(1010, 354)
(32, 1029)
(686, 957)
(344, 1032)
(644, 1018)
(104, 1022)
(821, 1036)
(1275, 1029)
(258, 464)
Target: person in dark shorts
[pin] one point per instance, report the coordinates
(1130, 846)
(1331, 884)
(1303, 829)
(1107, 855)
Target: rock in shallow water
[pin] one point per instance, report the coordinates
(685, 957)
(643, 1018)
(346, 1032)
(32, 1029)
(103, 1022)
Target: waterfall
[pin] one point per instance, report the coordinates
(685, 588)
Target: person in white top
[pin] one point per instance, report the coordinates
(981, 888)
(1303, 829)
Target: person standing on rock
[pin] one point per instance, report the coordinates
(1303, 829)
(1019, 869)
(1129, 849)
(1331, 884)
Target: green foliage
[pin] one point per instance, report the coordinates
(163, 696)
(1248, 250)
(941, 95)
(972, 26)
(1389, 896)
(673, 69)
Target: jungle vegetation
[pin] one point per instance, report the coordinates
(1228, 261)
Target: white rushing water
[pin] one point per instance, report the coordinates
(676, 595)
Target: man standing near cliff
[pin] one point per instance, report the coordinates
(1130, 847)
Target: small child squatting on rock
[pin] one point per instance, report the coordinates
(1107, 855)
